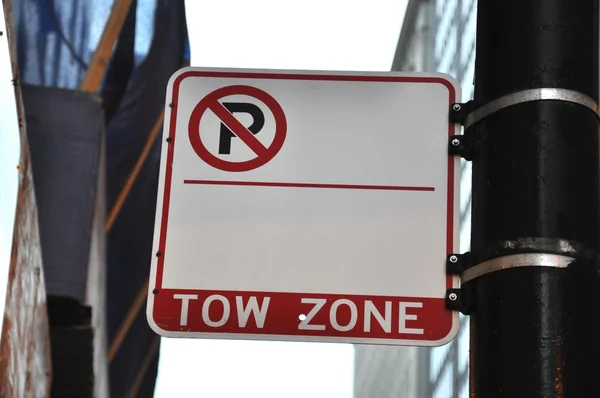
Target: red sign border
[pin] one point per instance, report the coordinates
(204, 105)
(450, 224)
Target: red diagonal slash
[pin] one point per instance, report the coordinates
(263, 153)
(238, 128)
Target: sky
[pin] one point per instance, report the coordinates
(344, 35)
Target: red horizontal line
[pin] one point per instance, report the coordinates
(309, 185)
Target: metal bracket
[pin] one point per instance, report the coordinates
(516, 261)
(538, 94)
(460, 111)
(458, 299)
(462, 146)
(457, 263)
(461, 264)
(467, 115)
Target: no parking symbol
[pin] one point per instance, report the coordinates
(231, 127)
(304, 245)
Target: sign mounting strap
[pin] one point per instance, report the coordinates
(538, 94)
(514, 261)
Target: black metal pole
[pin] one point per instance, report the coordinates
(535, 331)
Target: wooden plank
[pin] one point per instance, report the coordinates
(114, 211)
(25, 346)
(141, 374)
(133, 312)
(101, 57)
(25, 369)
(140, 299)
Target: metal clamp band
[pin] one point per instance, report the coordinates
(537, 94)
(514, 261)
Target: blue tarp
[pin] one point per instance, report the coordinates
(56, 38)
(55, 42)
(130, 240)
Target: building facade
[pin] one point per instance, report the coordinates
(437, 35)
(382, 371)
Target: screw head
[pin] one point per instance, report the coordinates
(453, 259)
(452, 296)
(455, 142)
(456, 107)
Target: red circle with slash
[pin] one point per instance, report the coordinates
(263, 154)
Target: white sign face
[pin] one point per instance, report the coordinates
(312, 207)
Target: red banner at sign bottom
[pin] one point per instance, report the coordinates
(297, 314)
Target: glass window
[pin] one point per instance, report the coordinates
(436, 359)
(441, 37)
(465, 232)
(468, 38)
(463, 344)
(443, 389)
(439, 6)
(464, 390)
(467, 6)
(465, 187)
(451, 8)
(468, 76)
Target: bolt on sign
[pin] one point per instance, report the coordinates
(306, 206)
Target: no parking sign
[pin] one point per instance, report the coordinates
(303, 206)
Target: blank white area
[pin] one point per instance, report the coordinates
(307, 240)
(254, 369)
(351, 35)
